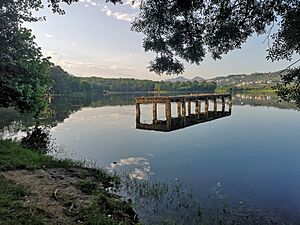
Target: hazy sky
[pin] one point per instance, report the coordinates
(93, 38)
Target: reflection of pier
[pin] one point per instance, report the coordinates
(185, 116)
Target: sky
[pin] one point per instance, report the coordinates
(94, 38)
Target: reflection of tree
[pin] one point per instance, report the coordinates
(63, 107)
(11, 117)
(262, 99)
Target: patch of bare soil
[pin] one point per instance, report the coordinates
(53, 192)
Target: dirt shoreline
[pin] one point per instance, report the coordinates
(39, 188)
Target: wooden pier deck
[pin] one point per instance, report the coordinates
(185, 116)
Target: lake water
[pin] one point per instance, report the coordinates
(247, 160)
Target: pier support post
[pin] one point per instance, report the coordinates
(223, 105)
(183, 112)
(189, 108)
(230, 104)
(183, 108)
(206, 106)
(154, 112)
(138, 113)
(168, 113)
(179, 108)
(197, 109)
(215, 105)
(199, 106)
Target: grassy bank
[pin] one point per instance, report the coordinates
(38, 189)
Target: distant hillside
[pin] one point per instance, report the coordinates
(178, 79)
(254, 79)
(183, 79)
(64, 83)
(197, 78)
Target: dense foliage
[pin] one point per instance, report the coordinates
(204, 86)
(24, 80)
(188, 29)
(173, 29)
(38, 139)
(66, 84)
(289, 90)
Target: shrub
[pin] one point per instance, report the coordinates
(38, 139)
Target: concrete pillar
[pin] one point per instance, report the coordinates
(154, 112)
(179, 108)
(215, 105)
(206, 106)
(223, 105)
(189, 108)
(183, 108)
(183, 118)
(137, 113)
(230, 104)
(197, 109)
(168, 113)
(199, 106)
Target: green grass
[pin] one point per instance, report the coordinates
(12, 211)
(87, 186)
(13, 156)
(105, 208)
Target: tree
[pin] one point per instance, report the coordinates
(189, 29)
(24, 72)
(289, 89)
(24, 80)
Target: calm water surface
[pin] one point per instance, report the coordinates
(251, 157)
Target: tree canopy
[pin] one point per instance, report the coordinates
(66, 84)
(24, 80)
(189, 29)
(174, 29)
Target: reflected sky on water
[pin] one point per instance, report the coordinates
(251, 156)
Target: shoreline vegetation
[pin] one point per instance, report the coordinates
(39, 189)
(217, 90)
(64, 83)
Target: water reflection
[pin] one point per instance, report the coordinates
(181, 122)
(262, 99)
(138, 167)
(12, 122)
(184, 118)
(250, 158)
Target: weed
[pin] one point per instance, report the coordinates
(11, 210)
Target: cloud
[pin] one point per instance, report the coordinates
(49, 35)
(80, 68)
(118, 15)
(55, 54)
(73, 43)
(88, 3)
(133, 4)
(75, 64)
(140, 167)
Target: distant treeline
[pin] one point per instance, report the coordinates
(66, 84)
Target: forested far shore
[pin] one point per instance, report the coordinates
(64, 83)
